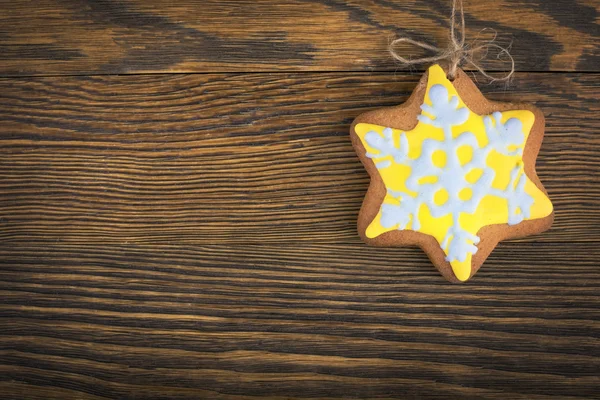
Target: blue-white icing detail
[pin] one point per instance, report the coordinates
(505, 138)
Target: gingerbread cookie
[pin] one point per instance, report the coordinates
(451, 172)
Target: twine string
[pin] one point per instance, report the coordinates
(458, 51)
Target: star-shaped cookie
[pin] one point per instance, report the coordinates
(451, 172)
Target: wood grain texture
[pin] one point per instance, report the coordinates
(170, 321)
(194, 236)
(118, 37)
(239, 159)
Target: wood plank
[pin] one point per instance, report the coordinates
(158, 321)
(239, 159)
(107, 37)
(193, 236)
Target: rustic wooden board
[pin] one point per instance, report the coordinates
(193, 236)
(100, 36)
(160, 321)
(239, 159)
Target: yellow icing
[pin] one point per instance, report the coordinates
(490, 210)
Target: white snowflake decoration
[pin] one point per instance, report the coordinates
(505, 138)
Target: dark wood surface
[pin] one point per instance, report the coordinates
(137, 36)
(174, 235)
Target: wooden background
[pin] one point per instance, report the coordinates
(178, 199)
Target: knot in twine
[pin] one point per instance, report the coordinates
(458, 52)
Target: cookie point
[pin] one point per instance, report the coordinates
(371, 232)
(462, 274)
(437, 73)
